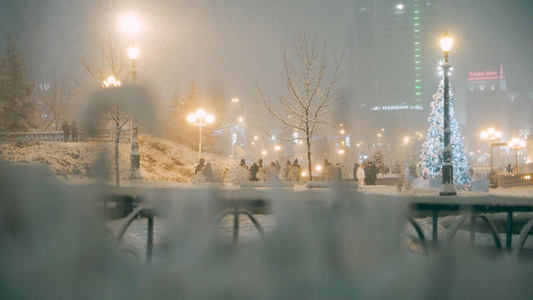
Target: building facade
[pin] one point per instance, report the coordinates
(395, 67)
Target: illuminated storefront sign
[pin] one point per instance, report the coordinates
(399, 107)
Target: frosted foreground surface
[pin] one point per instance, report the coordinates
(326, 245)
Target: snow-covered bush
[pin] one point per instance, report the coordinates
(238, 175)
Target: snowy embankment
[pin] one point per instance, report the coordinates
(161, 160)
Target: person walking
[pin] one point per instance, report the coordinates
(361, 175)
(208, 173)
(253, 172)
(296, 169)
(355, 167)
(243, 164)
(74, 131)
(199, 167)
(66, 131)
(373, 174)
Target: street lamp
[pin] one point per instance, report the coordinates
(243, 121)
(111, 82)
(447, 189)
(200, 119)
(130, 25)
(491, 135)
(135, 157)
(516, 144)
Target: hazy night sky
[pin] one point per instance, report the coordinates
(226, 46)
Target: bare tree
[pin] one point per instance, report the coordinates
(54, 103)
(310, 96)
(112, 62)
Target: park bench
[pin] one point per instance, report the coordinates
(267, 184)
(332, 184)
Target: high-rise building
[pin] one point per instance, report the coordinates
(490, 104)
(395, 67)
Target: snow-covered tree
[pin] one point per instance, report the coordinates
(432, 148)
(177, 128)
(379, 162)
(311, 94)
(17, 109)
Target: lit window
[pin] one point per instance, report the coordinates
(399, 7)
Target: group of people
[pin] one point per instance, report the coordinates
(290, 172)
(70, 130)
(206, 170)
(365, 174)
(332, 173)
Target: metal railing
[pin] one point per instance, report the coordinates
(515, 180)
(99, 134)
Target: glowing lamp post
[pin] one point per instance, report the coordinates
(516, 144)
(135, 158)
(111, 82)
(491, 135)
(200, 119)
(448, 189)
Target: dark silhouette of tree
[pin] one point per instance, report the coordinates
(17, 109)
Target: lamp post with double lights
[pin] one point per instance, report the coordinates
(200, 119)
(447, 189)
(492, 135)
(516, 144)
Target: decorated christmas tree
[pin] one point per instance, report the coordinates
(432, 148)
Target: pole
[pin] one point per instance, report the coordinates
(491, 158)
(245, 136)
(135, 158)
(447, 189)
(200, 141)
(516, 161)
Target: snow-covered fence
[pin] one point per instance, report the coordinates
(99, 134)
(50, 136)
(515, 180)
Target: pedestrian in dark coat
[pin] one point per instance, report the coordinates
(74, 131)
(66, 131)
(243, 164)
(200, 166)
(355, 167)
(208, 173)
(373, 174)
(366, 167)
(253, 171)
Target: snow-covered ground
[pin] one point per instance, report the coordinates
(162, 161)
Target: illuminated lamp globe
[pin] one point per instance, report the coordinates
(200, 113)
(318, 168)
(210, 118)
(446, 42)
(491, 130)
(133, 52)
(498, 134)
(191, 118)
(484, 135)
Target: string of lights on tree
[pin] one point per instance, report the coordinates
(432, 148)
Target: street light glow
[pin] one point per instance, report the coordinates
(318, 168)
(256, 137)
(133, 52)
(200, 113)
(341, 151)
(446, 42)
(277, 148)
(241, 119)
(129, 23)
(191, 118)
(210, 118)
